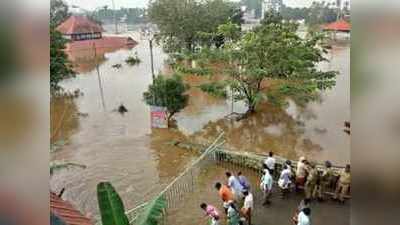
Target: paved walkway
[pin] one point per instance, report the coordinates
(279, 212)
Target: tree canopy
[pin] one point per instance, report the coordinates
(60, 67)
(58, 12)
(273, 51)
(182, 22)
(167, 92)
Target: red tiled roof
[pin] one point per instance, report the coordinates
(340, 25)
(67, 212)
(106, 42)
(79, 25)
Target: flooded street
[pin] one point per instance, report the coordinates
(137, 160)
(315, 131)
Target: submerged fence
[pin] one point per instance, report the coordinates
(174, 194)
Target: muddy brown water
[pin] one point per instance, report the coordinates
(124, 150)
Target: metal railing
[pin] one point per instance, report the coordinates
(174, 193)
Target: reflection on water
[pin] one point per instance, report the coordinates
(124, 150)
(315, 130)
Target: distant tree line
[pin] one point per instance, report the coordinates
(318, 13)
(187, 24)
(129, 15)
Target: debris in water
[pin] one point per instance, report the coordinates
(122, 109)
(117, 66)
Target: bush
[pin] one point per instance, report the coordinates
(199, 71)
(214, 89)
(167, 92)
(133, 60)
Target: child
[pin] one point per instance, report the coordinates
(211, 212)
(233, 215)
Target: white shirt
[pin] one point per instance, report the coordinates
(284, 179)
(234, 184)
(270, 162)
(303, 219)
(248, 201)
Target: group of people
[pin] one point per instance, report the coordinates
(238, 203)
(237, 200)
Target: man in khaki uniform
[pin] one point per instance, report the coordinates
(311, 182)
(325, 181)
(343, 184)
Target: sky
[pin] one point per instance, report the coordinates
(93, 4)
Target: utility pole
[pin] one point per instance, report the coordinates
(151, 59)
(98, 77)
(147, 33)
(115, 17)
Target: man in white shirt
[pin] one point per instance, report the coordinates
(301, 173)
(304, 217)
(266, 186)
(235, 186)
(270, 163)
(248, 206)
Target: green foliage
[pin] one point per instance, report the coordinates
(133, 60)
(60, 67)
(58, 12)
(253, 5)
(167, 92)
(318, 13)
(153, 212)
(111, 206)
(199, 71)
(184, 23)
(230, 31)
(215, 89)
(106, 15)
(274, 51)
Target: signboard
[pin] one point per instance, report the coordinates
(158, 117)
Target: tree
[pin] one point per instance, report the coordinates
(167, 92)
(58, 12)
(273, 51)
(255, 5)
(319, 13)
(181, 22)
(60, 67)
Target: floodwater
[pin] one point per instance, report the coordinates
(315, 131)
(138, 160)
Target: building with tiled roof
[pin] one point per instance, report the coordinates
(80, 28)
(63, 213)
(340, 25)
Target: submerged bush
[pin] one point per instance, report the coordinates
(214, 89)
(199, 71)
(133, 60)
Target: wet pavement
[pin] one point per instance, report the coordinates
(279, 212)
